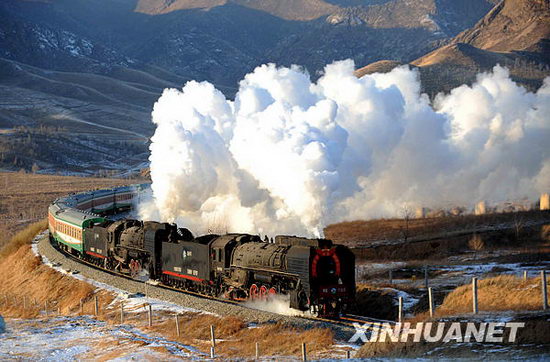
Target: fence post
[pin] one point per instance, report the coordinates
(400, 311)
(525, 275)
(150, 312)
(348, 354)
(121, 313)
(212, 336)
(391, 276)
(474, 295)
(212, 352)
(431, 301)
(304, 352)
(544, 290)
(426, 276)
(257, 350)
(96, 305)
(177, 325)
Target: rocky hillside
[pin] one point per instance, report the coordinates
(513, 25)
(515, 34)
(302, 10)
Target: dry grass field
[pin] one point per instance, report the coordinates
(501, 293)
(365, 231)
(24, 275)
(24, 198)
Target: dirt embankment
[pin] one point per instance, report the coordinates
(27, 284)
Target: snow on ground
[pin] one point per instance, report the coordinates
(70, 338)
(376, 268)
(460, 272)
(470, 270)
(492, 351)
(409, 301)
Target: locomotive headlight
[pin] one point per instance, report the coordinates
(333, 290)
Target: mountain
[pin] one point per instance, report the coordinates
(95, 67)
(302, 10)
(515, 34)
(512, 25)
(381, 66)
(221, 40)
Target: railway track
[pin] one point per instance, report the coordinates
(344, 325)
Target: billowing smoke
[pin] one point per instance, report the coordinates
(290, 155)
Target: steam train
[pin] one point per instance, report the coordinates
(315, 274)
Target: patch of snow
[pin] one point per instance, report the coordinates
(408, 300)
(68, 338)
(376, 268)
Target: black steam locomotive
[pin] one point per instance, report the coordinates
(316, 274)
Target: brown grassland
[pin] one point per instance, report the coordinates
(501, 293)
(24, 198)
(24, 276)
(366, 231)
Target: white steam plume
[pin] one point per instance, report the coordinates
(289, 155)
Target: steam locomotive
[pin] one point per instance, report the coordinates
(315, 274)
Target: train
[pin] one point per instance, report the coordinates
(314, 275)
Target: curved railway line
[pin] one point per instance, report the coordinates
(343, 328)
(71, 217)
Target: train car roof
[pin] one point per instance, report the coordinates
(205, 239)
(76, 217)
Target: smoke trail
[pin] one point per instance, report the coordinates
(290, 155)
(279, 304)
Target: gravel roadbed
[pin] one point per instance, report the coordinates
(185, 300)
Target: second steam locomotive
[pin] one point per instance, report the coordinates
(315, 274)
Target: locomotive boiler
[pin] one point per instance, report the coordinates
(315, 274)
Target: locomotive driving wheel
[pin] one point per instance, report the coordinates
(263, 293)
(135, 268)
(272, 292)
(254, 292)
